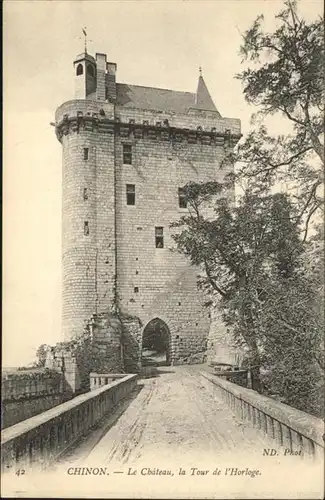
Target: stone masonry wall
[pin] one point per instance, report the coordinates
(132, 343)
(158, 282)
(181, 307)
(78, 250)
(25, 393)
(61, 359)
(99, 350)
(220, 345)
(107, 334)
(88, 242)
(13, 412)
(118, 258)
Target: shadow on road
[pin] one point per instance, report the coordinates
(160, 372)
(152, 361)
(152, 371)
(81, 448)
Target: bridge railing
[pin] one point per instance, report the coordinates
(99, 379)
(41, 439)
(292, 429)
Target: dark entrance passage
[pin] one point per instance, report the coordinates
(156, 344)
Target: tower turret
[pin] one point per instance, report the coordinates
(84, 126)
(203, 99)
(85, 75)
(128, 152)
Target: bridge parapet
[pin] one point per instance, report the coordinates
(295, 430)
(99, 379)
(41, 439)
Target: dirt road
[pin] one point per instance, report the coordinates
(174, 438)
(178, 415)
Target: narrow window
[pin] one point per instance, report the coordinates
(86, 228)
(136, 289)
(182, 202)
(130, 194)
(159, 236)
(90, 70)
(127, 154)
(85, 194)
(86, 153)
(80, 69)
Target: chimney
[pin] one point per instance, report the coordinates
(111, 81)
(101, 77)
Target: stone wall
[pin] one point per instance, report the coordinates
(293, 429)
(13, 411)
(116, 265)
(61, 359)
(132, 343)
(206, 119)
(190, 121)
(88, 223)
(107, 331)
(99, 348)
(25, 393)
(220, 343)
(40, 440)
(181, 307)
(159, 282)
(99, 379)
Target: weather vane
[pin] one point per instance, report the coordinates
(84, 30)
(200, 70)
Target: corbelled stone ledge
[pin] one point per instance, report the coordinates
(41, 439)
(86, 115)
(291, 428)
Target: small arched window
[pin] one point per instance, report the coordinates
(90, 70)
(80, 69)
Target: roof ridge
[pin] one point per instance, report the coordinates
(157, 88)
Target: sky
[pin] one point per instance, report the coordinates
(154, 43)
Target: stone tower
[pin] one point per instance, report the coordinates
(127, 152)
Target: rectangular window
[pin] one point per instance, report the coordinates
(86, 228)
(182, 202)
(130, 194)
(159, 236)
(86, 153)
(127, 154)
(85, 194)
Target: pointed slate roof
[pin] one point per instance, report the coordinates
(203, 98)
(138, 96)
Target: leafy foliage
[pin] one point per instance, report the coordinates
(291, 332)
(285, 76)
(237, 249)
(252, 258)
(41, 355)
(255, 255)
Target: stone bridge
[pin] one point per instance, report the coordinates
(185, 421)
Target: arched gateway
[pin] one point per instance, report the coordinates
(156, 344)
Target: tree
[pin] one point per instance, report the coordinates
(252, 254)
(285, 76)
(238, 250)
(253, 259)
(292, 341)
(41, 355)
